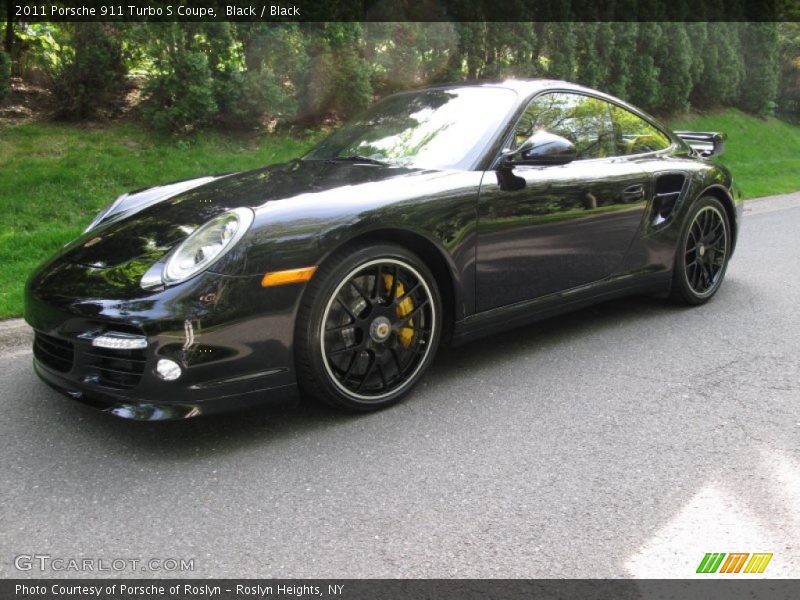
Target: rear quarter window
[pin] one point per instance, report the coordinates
(634, 135)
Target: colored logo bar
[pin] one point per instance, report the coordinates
(734, 563)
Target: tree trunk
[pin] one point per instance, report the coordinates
(9, 40)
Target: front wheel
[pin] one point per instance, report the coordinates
(368, 327)
(701, 258)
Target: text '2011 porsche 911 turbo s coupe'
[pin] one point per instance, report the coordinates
(437, 216)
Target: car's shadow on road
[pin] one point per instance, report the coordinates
(270, 424)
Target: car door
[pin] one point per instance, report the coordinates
(543, 229)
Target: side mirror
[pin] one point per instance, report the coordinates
(542, 148)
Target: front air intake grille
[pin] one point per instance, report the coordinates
(119, 369)
(53, 352)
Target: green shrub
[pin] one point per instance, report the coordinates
(789, 90)
(644, 87)
(338, 77)
(182, 97)
(260, 95)
(761, 68)
(721, 81)
(5, 75)
(353, 88)
(93, 79)
(674, 62)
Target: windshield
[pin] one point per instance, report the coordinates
(435, 129)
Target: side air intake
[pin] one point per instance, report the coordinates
(668, 191)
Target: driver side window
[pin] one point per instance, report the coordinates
(583, 120)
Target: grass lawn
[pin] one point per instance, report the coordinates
(56, 177)
(762, 154)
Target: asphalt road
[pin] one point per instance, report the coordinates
(624, 440)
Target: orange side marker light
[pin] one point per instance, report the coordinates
(288, 276)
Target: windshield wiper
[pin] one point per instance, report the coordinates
(357, 158)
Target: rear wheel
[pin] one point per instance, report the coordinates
(702, 255)
(368, 327)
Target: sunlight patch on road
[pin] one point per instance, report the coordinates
(717, 519)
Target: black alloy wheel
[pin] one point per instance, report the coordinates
(703, 252)
(370, 327)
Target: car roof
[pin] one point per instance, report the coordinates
(524, 87)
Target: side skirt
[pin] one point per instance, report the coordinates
(529, 311)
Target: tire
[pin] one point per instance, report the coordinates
(702, 254)
(368, 327)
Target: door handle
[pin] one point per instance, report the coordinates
(633, 193)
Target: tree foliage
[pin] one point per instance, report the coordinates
(789, 53)
(759, 42)
(181, 96)
(92, 79)
(645, 87)
(256, 74)
(723, 68)
(673, 58)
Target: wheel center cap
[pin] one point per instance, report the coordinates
(702, 250)
(380, 329)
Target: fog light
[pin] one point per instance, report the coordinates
(168, 370)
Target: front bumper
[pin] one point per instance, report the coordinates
(232, 338)
(140, 409)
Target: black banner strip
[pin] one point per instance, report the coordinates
(733, 588)
(404, 10)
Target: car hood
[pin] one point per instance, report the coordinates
(150, 233)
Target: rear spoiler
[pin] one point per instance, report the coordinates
(705, 143)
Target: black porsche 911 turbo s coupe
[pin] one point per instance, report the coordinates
(437, 216)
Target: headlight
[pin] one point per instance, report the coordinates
(207, 244)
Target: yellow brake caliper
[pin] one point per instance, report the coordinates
(404, 308)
